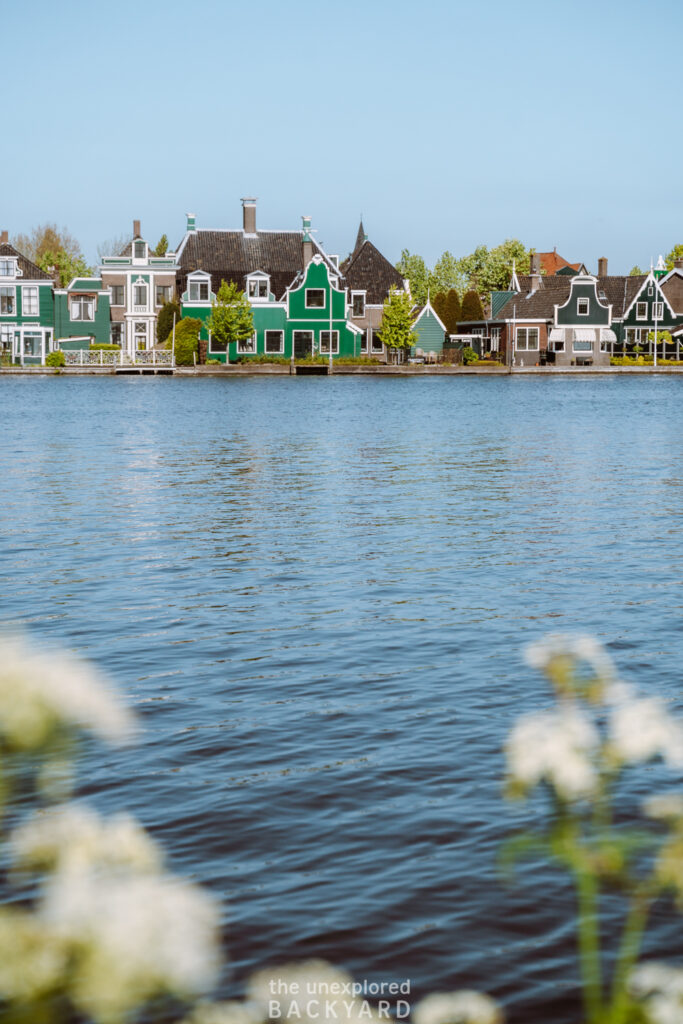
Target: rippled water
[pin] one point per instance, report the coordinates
(316, 592)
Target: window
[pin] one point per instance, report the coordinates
(7, 301)
(32, 344)
(258, 288)
(164, 293)
(117, 334)
(526, 339)
(141, 335)
(199, 291)
(6, 338)
(495, 339)
(82, 307)
(117, 295)
(315, 298)
(7, 268)
(140, 248)
(364, 341)
(29, 301)
(582, 307)
(558, 346)
(657, 310)
(377, 345)
(325, 342)
(275, 341)
(247, 345)
(641, 310)
(582, 346)
(357, 304)
(140, 295)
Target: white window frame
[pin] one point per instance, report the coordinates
(11, 266)
(641, 310)
(308, 304)
(138, 287)
(657, 310)
(33, 336)
(526, 347)
(495, 339)
(121, 332)
(136, 246)
(7, 289)
(364, 341)
(167, 288)
(34, 291)
(256, 283)
(583, 301)
(270, 351)
(113, 287)
(198, 283)
(373, 346)
(6, 337)
(76, 306)
(247, 346)
(325, 350)
(140, 331)
(357, 295)
(582, 347)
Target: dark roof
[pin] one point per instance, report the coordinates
(231, 255)
(618, 292)
(28, 269)
(361, 237)
(367, 270)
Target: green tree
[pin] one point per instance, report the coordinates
(64, 266)
(471, 306)
(165, 319)
(162, 246)
(439, 303)
(675, 254)
(231, 317)
(44, 239)
(414, 268)
(636, 272)
(447, 274)
(453, 312)
(490, 270)
(396, 328)
(186, 340)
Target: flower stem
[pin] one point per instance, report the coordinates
(628, 954)
(589, 943)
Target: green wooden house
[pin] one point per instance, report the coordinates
(26, 308)
(430, 331)
(82, 314)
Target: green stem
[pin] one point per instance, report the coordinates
(589, 943)
(629, 948)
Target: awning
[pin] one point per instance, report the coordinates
(556, 334)
(584, 334)
(607, 334)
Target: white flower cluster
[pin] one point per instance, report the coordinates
(641, 729)
(659, 987)
(463, 1007)
(557, 747)
(570, 647)
(44, 694)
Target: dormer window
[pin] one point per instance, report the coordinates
(8, 268)
(140, 250)
(582, 307)
(199, 291)
(258, 287)
(357, 304)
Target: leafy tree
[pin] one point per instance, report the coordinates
(447, 274)
(414, 268)
(46, 238)
(471, 306)
(439, 304)
(396, 328)
(469, 355)
(675, 254)
(636, 272)
(162, 246)
(232, 318)
(453, 311)
(165, 319)
(490, 270)
(186, 340)
(64, 266)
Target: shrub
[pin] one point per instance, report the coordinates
(469, 355)
(262, 358)
(55, 359)
(186, 340)
(97, 346)
(165, 320)
(214, 362)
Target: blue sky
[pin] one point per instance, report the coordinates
(446, 124)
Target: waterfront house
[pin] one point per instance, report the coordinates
(139, 283)
(26, 307)
(430, 330)
(81, 314)
(369, 278)
(295, 289)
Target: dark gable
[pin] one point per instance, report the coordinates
(29, 271)
(367, 270)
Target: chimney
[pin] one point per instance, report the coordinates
(535, 271)
(678, 264)
(136, 229)
(602, 266)
(190, 222)
(249, 216)
(4, 237)
(307, 240)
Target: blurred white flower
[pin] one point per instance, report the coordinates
(41, 694)
(555, 746)
(134, 937)
(75, 838)
(642, 729)
(666, 806)
(230, 1012)
(573, 646)
(464, 1007)
(32, 960)
(659, 987)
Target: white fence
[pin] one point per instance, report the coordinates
(100, 357)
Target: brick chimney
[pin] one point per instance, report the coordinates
(678, 264)
(307, 241)
(136, 229)
(4, 237)
(602, 266)
(535, 271)
(249, 216)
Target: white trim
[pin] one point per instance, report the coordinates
(363, 293)
(324, 294)
(12, 288)
(527, 348)
(274, 330)
(430, 308)
(335, 342)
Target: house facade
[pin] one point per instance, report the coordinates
(26, 307)
(139, 283)
(430, 330)
(82, 314)
(369, 278)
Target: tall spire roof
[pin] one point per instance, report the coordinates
(361, 237)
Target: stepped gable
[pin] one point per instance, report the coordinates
(231, 255)
(29, 270)
(369, 271)
(537, 305)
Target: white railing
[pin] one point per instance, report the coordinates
(100, 357)
(154, 358)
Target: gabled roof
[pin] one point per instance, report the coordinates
(29, 270)
(551, 262)
(232, 255)
(672, 286)
(618, 292)
(419, 311)
(361, 237)
(368, 270)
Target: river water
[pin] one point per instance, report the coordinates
(316, 593)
